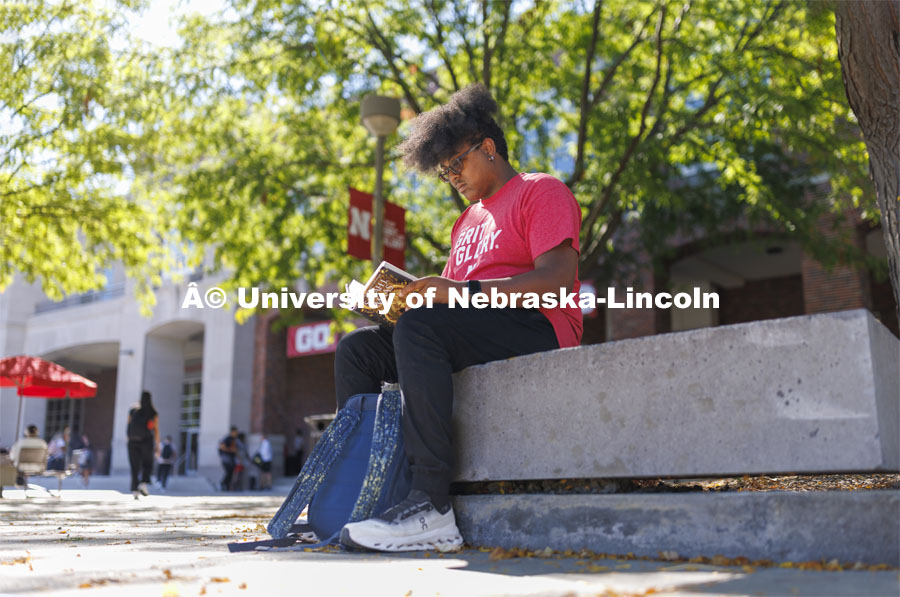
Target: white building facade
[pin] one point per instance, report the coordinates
(196, 362)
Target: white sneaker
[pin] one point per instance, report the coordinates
(143, 489)
(412, 525)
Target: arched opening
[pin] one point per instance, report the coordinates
(91, 420)
(173, 371)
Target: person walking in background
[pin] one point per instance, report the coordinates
(242, 464)
(85, 460)
(294, 460)
(228, 450)
(166, 459)
(143, 441)
(265, 462)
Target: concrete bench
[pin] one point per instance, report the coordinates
(817, 393)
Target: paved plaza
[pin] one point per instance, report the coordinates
(101, 541)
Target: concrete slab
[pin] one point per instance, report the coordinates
(850, 526)
(94, 543)
(818, 393)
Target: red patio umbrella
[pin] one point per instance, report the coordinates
(37, 378)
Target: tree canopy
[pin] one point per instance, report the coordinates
(68, 144)
(244, 139)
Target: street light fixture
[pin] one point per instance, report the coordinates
(380, 116)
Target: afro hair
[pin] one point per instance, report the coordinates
(439, 133)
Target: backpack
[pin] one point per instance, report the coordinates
(357, 469)
(166, 452)
(139, 426)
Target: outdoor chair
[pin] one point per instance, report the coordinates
(8, 472)
(32, 462)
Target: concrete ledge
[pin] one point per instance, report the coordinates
(858, 526)
(817, 393)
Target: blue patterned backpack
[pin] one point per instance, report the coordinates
(356, 470)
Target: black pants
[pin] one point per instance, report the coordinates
(229, 464)
(162, 474)
(421, 352)
(140, 457)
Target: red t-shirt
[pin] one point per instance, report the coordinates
(502, 235)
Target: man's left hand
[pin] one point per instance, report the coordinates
(441, 285)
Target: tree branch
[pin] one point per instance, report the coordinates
(470, 52)
(585, 100)
(607, 194)
(440, 43)
(593, 99)
(387, 52)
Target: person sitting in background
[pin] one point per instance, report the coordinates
(31, 440)
(56, 455)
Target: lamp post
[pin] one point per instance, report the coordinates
(380, 116)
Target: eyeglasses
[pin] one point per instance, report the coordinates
(456, 165)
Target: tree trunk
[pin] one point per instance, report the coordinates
(868, 37)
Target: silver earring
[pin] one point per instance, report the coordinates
(491, 158)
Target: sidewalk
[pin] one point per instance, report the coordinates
(100, 541)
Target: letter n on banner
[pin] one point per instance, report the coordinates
(359, 226)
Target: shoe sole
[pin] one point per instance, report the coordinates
(442, 544)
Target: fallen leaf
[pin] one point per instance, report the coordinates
(219, 579)
(242, 586)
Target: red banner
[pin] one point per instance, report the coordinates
(359, 225)
(359, 229)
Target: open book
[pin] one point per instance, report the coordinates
(378, 298)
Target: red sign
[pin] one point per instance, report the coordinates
(310, 338)
(359, 229)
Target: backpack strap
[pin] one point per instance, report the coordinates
(301, 547)
(385, 444)
(266, 544)
(314, 471)
(299, 532)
